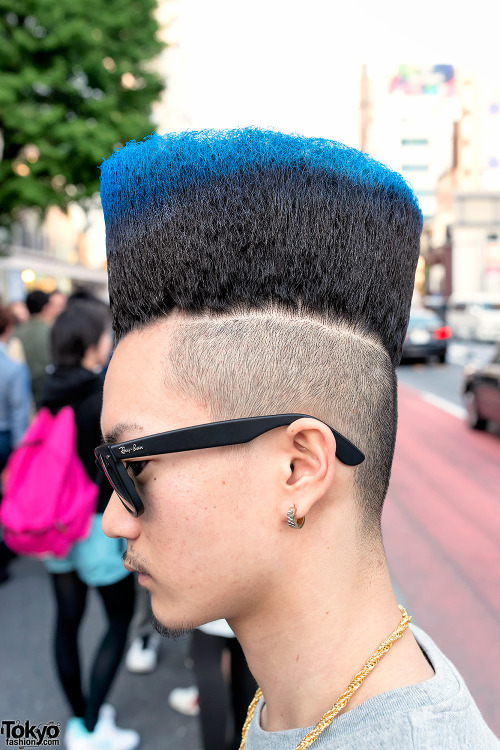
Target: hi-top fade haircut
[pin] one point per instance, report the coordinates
(210, 220)
(293, 260)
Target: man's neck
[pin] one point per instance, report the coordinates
(306, 652)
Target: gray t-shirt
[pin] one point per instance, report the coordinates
(438, 714)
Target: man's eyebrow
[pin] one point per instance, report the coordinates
(116, 434)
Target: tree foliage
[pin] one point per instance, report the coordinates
(76, 80)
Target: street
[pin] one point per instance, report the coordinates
(441, 384)
(441, 530)
(29, 688)
(442, 524)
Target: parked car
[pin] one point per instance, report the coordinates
(475, 316)
(427, 337)
(481, 392)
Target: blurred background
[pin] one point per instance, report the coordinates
(415, 85)
(418, 88)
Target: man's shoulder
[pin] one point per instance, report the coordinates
(437, 713)
(461, 729)
(417, 729)
(450, 717)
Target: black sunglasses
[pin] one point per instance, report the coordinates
(109, 458)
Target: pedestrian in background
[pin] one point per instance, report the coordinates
(81, 344)
(142, 656)
(15, 404)
(15, 392)
(57, 303)
(20, 315)
(219, 699)
(34, 336)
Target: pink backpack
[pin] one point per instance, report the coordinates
(49, 500)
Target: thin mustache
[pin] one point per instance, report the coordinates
(132, 564)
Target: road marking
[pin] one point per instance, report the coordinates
(442, 403)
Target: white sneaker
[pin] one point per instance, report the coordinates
(118, 739)
(77, 737)
(185, 701)
(142, 656)
(106, 736)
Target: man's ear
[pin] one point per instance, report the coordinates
(310, 451)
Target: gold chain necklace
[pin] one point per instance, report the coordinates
(344, 699)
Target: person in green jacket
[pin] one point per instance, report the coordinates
(34, 335)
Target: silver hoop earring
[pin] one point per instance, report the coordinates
(293, 522)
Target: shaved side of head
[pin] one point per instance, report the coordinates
(252, 363)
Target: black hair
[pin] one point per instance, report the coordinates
(81, 293)
(36, 301)
(77, 328)
(213, 221)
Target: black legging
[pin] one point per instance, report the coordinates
(206, 652)
(118, 600)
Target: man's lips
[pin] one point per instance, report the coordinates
(131, 569)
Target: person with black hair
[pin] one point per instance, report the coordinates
(260, 288)
(81, 294)
(81, 343)
(34, 335)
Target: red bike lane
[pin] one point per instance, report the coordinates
(442, 537)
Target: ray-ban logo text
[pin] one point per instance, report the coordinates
(133, 449)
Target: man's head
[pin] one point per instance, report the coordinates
(253, 273)
(36, 301)
(82, 329)
(214, 525)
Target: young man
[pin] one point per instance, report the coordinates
(253, 274)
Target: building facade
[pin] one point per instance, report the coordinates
(64, 252)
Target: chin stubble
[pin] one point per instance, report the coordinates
(168, 632)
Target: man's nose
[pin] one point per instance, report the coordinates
(117, 522)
